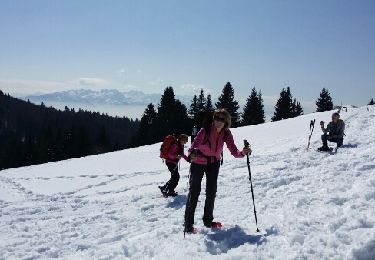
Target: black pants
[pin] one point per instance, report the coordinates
(175, 177)
(326, 138)
(196, 175)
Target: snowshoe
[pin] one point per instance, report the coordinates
(172, 193)
(163, 191)
(213, 224)
(324, 149)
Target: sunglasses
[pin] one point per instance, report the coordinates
(219, 119)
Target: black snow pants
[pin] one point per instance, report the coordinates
(196, 174)
(326, 138)
(175, 177)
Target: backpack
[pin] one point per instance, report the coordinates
(168, 141)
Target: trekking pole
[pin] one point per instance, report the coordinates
(312, 124)
(246, 143)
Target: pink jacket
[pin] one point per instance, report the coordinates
(173, 153)
(214, 146)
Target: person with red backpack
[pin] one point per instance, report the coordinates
(205, 156)
(171, 151)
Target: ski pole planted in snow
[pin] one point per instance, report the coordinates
(312, 124)
(246, 143)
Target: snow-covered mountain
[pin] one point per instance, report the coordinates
(101, 97)
(310, 205)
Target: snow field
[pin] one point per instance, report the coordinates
(310, 205)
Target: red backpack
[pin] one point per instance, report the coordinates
(168, 141)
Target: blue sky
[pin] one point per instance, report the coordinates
(47, 46)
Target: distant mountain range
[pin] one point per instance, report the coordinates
(111, 101)
(102, 97)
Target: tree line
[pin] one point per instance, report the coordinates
(171, 116)
(34, 134)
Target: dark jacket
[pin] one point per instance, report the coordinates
(335, 129)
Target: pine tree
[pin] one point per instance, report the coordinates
(180, 123)
(165, 113)
(324, 102)
(226, 100)
(283, 108)
(144, 134)
(286, 107)
(201, 101)
(296, 108)
(172, 117)
(371, 102)
(253, 113)
(261, 117)
(103, 140)
(193, 111)
(209, 105)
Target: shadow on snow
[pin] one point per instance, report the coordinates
(349, 146)
(223, 240)
(177, 202)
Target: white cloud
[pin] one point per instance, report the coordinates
(91, 82)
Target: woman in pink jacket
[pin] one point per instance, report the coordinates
(205, 154)
(175, 152)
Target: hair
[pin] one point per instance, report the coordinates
(183, 137)
(336, 114)
(222, 112)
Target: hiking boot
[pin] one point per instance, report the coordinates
(163, 190)
(324, 148)
(190, 230)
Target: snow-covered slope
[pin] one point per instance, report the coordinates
(310, 205)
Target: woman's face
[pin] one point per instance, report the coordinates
(219, 121)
